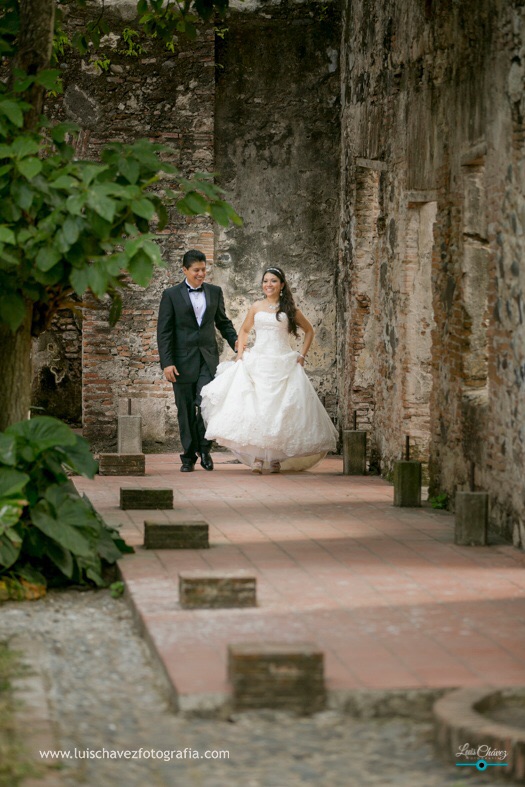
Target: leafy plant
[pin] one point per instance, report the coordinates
(103, 63)
(47, 531)
(439, 501)
(117, 589)
(133, 48)
(67, 226)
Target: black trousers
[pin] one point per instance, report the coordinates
(191, 425)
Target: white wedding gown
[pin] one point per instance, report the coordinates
(265, 407)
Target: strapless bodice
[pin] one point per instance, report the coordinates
(272, 335)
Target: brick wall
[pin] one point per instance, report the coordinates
(167, 98)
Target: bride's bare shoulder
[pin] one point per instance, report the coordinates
(257, 306)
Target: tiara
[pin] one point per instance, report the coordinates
(274, 270)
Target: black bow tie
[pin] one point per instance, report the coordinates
(197, 289)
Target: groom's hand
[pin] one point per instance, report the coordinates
(170, 373)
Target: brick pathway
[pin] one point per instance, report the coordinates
(385, 593)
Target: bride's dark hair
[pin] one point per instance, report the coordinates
(286, 302)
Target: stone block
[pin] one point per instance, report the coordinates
(129, 434)
(183, 535)
(281, 676)
(472, 517)
(216, 589)
(354, 452)
(122, 464)
(407, 483)
(135, 497)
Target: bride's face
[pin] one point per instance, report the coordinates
(272, 285)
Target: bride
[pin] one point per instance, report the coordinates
(264, 408)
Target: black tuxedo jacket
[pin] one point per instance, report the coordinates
(181, 341)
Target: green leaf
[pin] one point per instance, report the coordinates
(13, 111)
(51, 277)
(25, 146)
(7, 449)
(12, 481)
(99, 227)
(7, 235)
(78, 457)
(183, 208)
(31, 574)
(22, 193)
(143, 207)
(43, 432)
(196, 202)
(91, 171)
(141, 268)
(61, 530)
(66, 182)
(104, 206)
(62, 558)
(153, 251)
(47, 258)
(8, 552)
(58, 132)
(71, 230)
(115, 310)
(10, 514)
(220, 215)
(12, 310)
(75, 204)
(50, 79)
(29, 167)
(98, 280)
(130, 169)
(79, 280)
(21, 82)
(162, 213)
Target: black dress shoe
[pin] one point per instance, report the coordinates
(187, 466)
(206, 461)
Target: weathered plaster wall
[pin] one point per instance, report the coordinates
(432, 125)
(277, 152)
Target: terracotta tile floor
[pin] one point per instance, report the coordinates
(385, 593)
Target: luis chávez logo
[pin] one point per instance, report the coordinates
(483, 754)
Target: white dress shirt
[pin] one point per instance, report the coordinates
(198, 301)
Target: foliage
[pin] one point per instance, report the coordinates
(46, 529)
(160, 19)
(132, 48)
(69, 226)
(117, 589)
(439, 501)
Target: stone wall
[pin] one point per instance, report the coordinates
(430, 309)
(258, 103)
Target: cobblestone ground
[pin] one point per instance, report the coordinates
(104, 692)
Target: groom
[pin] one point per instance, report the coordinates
(188, 315)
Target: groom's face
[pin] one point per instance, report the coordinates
(195, 274)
